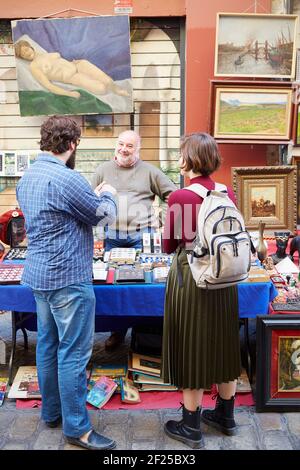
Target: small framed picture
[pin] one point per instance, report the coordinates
(22, 162)
(2, 164)
(278, 363)
(10, 163)
(98, 125)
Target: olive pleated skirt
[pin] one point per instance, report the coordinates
(201, 343)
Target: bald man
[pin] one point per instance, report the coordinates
(137, 183)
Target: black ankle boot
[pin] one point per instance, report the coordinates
(221, 417)
(186, 430)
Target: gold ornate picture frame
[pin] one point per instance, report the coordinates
(267, 194)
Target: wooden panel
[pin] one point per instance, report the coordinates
(148, 59)
(8, 200)
(153, 47)
(8, 74)
(9, 109)
(138, 95)
(153, 83)
(160, 35)
(7, 49)
(7, 61)
(155, 95)
(171, 106)
(87, 143)
(155, 71)
(123, 119)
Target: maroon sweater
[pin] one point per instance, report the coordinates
(182, 214)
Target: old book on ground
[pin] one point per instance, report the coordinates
(113, 371)
(101, 392)
(148, 364)
(129, 393)
(25, 384)
(156, 387)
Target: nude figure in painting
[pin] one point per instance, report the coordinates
(50, 66)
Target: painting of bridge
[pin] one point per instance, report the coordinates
(249, 45)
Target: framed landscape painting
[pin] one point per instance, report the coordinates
(262, 113)
(255, 45)
(278, 363)
(267, 194)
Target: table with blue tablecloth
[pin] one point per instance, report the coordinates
(126, 305)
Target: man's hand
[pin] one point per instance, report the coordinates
(105, 187)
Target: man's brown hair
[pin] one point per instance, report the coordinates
(200, 153)
(57, 132)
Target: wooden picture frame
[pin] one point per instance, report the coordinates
(255, 45)
(296, 163)
(267, 194)
(252, 111)
(278, 369)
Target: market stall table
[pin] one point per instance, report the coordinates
(128, 305)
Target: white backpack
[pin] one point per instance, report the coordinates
(221, 254)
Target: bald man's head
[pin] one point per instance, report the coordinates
(131, 137)
(127, 150)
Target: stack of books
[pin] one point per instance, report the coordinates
(145, 373)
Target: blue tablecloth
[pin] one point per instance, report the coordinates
(136, 300)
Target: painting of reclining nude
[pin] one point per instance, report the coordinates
(73, 65)
(263, 201)
(255, 45)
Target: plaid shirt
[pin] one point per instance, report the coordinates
(60, 209)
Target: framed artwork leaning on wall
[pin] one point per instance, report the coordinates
(278, 363)
(296, 162)
(255, 45)
(252, 111)
(267, 194)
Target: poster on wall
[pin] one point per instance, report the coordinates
(73, 65)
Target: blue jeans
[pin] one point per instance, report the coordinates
(66, 323)
(116, 239)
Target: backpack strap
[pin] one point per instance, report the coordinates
(202, 191)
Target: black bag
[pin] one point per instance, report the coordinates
(147, 340)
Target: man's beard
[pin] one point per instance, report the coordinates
(70, 163)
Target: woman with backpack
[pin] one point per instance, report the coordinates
(201, 326)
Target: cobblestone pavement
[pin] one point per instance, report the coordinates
(134, 430)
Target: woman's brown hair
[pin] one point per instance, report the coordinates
(200, 153)
(57, 132)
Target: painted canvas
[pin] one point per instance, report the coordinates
(73, 65)
(263, 201)
(289, 364)
(254, 113)
(255, 45)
